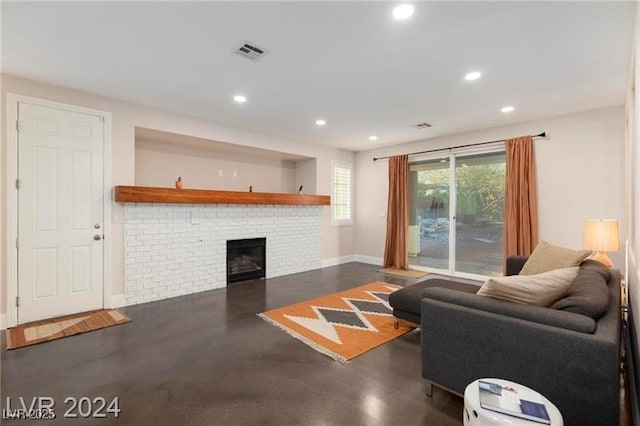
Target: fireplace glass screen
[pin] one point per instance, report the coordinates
(246, 259)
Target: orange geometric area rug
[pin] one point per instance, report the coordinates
(56, 328)
(342, 325)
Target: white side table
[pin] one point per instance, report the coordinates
(474, 415)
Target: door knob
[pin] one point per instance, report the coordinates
(97, 226)
(97, 237)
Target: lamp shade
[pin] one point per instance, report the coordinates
(601, 235)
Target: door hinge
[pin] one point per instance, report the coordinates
(18, 302)
(18, 125)
(18, 184)
(17, 243)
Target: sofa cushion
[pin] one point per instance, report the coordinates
(547, 257)
(539, 290)
(589, 295)
(408, 299)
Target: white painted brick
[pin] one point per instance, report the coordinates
(167, 256)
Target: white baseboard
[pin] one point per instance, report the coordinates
(118, 301)
(369, 259)
(337, 261)
(3, 321)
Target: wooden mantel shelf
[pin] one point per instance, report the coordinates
(147, 194)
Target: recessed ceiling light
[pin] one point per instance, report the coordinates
(373, 138)
(403, 11)
(508, 108)
(473, 76)
(320, 122)
(240, 98)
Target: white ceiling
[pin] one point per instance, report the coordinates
(350, 63)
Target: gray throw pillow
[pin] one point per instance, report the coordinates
(547, 257)
(587, 296)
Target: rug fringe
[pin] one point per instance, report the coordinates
(306, 341)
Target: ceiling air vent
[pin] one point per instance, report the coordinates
(421, 125)
(250, 50)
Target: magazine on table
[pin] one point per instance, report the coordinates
(505, 400)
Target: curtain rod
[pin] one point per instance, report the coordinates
(540, 135)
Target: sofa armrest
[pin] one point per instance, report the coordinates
(514, 264)
(540, 315)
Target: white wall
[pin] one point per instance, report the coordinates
(306, 176)
(579, 174)
(632, 192)
(336, 242)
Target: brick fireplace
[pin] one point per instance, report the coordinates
(176, 249)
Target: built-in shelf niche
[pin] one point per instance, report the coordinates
(202, 163)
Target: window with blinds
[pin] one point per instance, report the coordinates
(341, 193)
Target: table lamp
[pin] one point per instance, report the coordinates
(601, 235)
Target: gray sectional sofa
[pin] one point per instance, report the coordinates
(569, 357)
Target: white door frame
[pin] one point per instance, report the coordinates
(11, 166)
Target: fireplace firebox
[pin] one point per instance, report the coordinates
(246, 259)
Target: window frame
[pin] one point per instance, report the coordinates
(335, 164)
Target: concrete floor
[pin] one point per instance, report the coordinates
(207, 359)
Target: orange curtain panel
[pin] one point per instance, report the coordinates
(395, 248)
(520, 204)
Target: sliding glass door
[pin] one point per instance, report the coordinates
(429, 213)
(455, 212)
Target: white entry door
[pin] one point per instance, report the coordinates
(60, 212)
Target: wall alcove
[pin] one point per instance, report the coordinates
(161, 157)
